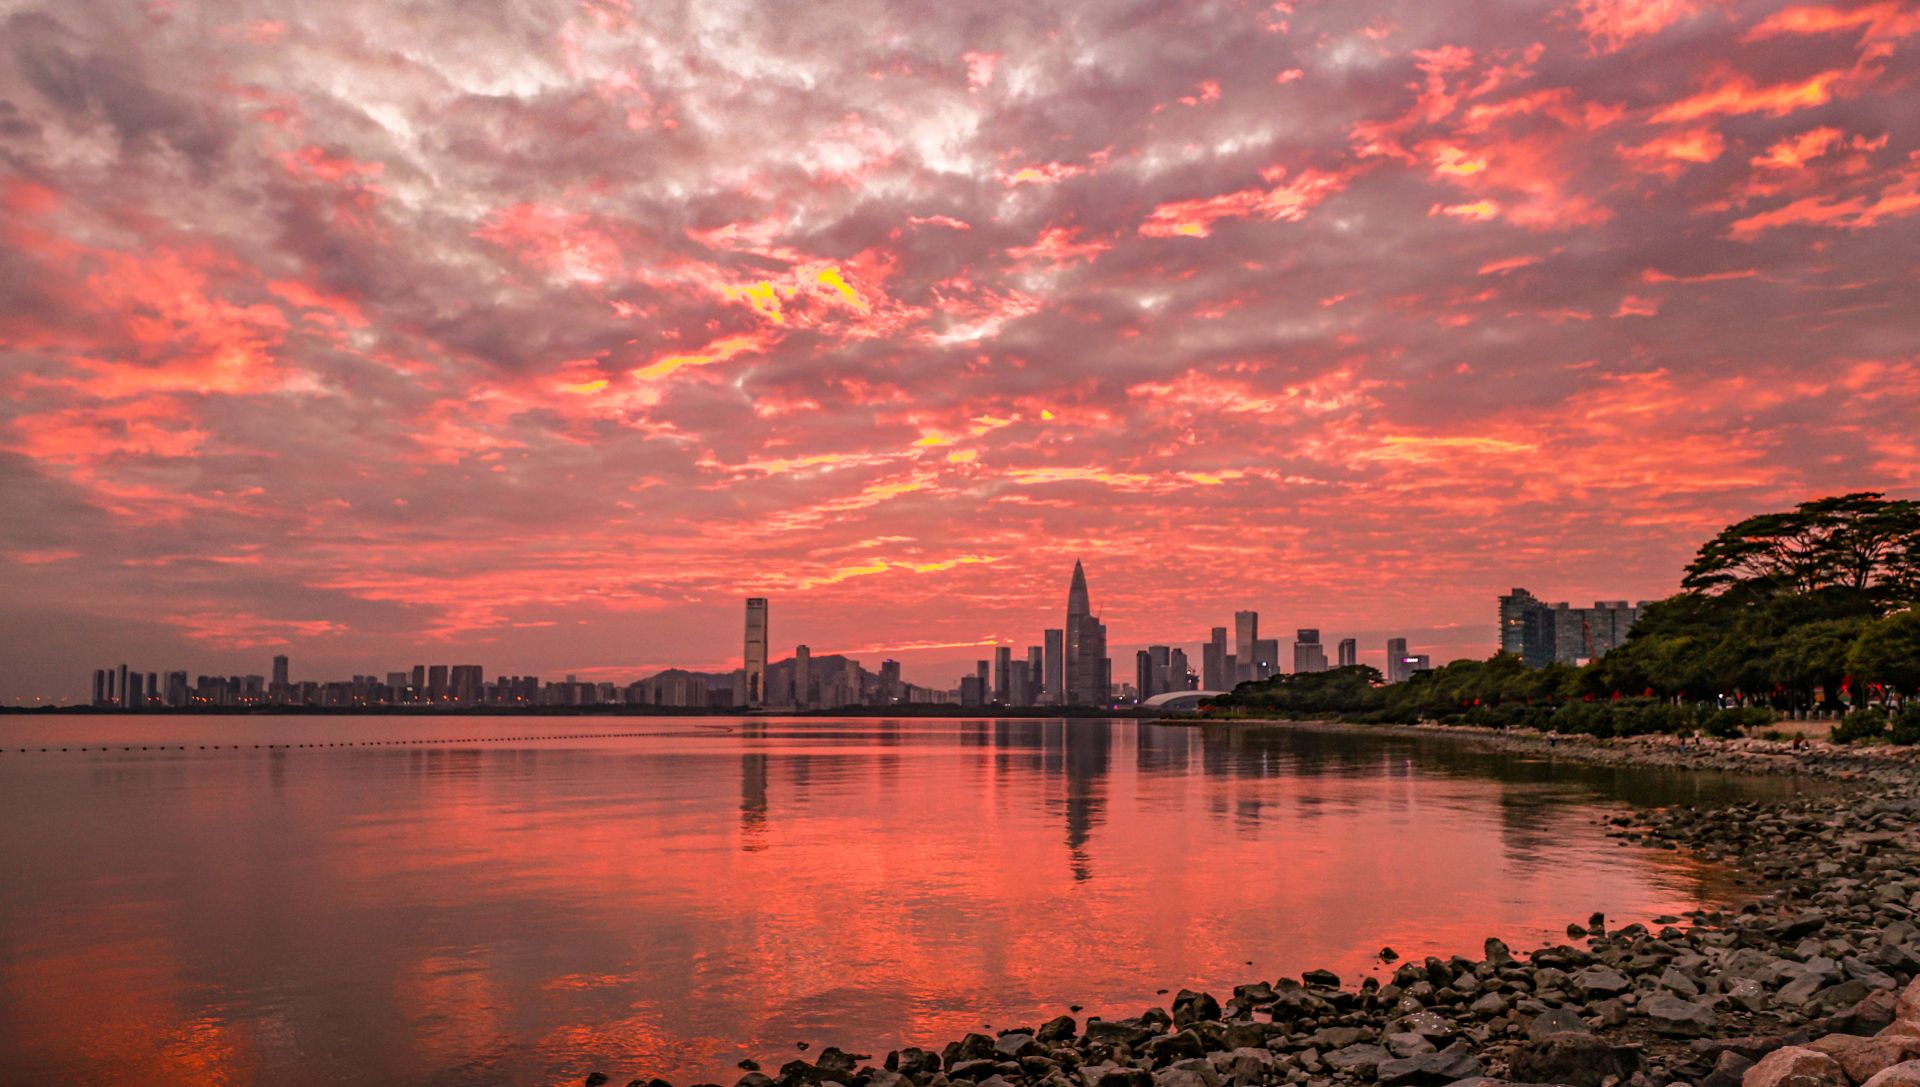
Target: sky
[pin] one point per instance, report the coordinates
(538, 334)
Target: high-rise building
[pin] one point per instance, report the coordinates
(1416, 662)
(1349, 652)
(122, 701)
(986, 686)
(1246, 651)
(1089, 673)
(889, 690)
(1055, 680)
(1540, 633)
(1020, 684)
(972, 690)
(99, 686)
(1308, 654)
(756, 652)
(1143, 675)
(437, 683)
(1214, 673)
(1179, 676)
(1266, 658)
(803, 677)
(465, 683)
(1002, 661)
(176, 689)
(1396, 660)
(1036, 675)
(280, 670)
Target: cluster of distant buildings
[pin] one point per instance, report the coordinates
(1540, 633)
(1070, 667)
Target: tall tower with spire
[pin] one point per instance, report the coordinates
(1088, 679)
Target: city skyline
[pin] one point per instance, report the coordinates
(1069, 666)
(335, 333)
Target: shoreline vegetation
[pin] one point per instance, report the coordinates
(1813, 981)
(1783, 619)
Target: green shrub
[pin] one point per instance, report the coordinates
(1868, 725)
(1728, 724)
(1906, 725)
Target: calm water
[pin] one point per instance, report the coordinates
(695, 891)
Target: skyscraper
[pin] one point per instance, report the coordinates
(1002, 661)
(100, 686)
(1349, 653)
(889, 682)
(1266, 658)
(1308, 654)
(280, 671)
(123, 702)
(1396, 660)
(1214, 675)
(756, 652)
(1246, 633)
(1179, 678)
(1089, 674)
(802, 677)
(1143, 684)
(1055, 673)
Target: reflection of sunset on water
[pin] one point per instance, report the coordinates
(671, 903)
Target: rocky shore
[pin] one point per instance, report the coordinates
(1810, 983)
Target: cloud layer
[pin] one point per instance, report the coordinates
(537, 334)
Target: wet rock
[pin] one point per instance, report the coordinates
(1794, 1066)
(1578, 1059)
(595, 1079)
(1060, 1028)
(1323, 979)
(754, 1079)
(1191, 1007)
(916, 1062)
(1185, 1045)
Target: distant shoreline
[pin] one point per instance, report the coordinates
(935, 712)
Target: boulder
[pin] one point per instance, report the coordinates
(1575, 1058)
(1601, 981)
(1795, 1066)
(1904, 1074)
(1058, 1029)
(1862, 1057)
(1728, 1071)
(1243, 1067)
(1455, 1062)
(1321, 979)
(1556, 1021)
(1361, 1060)
(1907, 1008)
(1407, 1044)
(1672, 1016)
(1187, 1074)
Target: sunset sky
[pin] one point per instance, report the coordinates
(537, 335)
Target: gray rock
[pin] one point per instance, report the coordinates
(1601, 981)
(1556, 1021)
(1361, 1060)
(1430, 1069)
(1671, 1015)
(1407, 1044)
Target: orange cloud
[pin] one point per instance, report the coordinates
(1287, 201)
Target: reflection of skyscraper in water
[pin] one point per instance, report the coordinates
(753, 802)
(1089, 752)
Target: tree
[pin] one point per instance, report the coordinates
(1861, 542)
(1888, 652)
